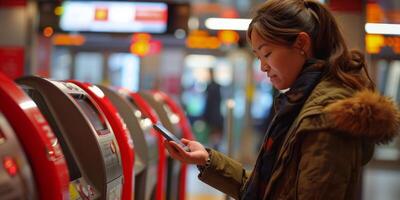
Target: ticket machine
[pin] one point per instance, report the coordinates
(146, 146)
(16, 178)
(147, 112)
(171, 121)
(85, 135)
(121, 132)
(41, 147)
(186, 133)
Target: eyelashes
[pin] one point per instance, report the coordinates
(265, 56)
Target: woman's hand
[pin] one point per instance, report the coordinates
(197, 155)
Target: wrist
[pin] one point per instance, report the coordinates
(207, 162)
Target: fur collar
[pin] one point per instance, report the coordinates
(367, 114)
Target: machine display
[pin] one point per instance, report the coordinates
(92, 114)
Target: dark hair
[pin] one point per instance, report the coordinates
(280, 21)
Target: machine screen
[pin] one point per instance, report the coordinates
(92, 114)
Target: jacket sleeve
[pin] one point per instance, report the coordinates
(325, 166)
(224, 174)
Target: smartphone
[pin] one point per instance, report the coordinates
(168, 135)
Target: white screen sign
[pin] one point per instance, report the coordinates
(123, 17)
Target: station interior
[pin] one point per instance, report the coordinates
(82, 82)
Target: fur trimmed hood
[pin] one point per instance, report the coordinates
(367, 114)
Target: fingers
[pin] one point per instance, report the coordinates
(174, 152)
(179, 148)
(185, 141)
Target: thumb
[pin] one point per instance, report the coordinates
(185, 141)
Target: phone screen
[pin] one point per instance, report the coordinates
(168, 135)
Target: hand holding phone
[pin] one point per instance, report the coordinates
(168, 135)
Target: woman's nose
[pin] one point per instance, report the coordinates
(264, 67)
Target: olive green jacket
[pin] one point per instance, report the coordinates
(325, 148)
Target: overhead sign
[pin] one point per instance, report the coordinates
(107, 16)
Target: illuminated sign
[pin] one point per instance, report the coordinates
(107, 16)
(68, 40)
(143, 45)
(374, 43)
(202, 40)
(228, 37)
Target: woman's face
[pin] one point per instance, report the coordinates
(281, 63)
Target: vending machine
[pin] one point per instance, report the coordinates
(171, 122)
(146, 145)
(186, 130)
(149, 117)
(85, 135)
(121, 132)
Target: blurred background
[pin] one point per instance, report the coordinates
(196, 52)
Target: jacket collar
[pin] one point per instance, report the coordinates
(364, 114)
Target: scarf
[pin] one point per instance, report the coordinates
(287, 106)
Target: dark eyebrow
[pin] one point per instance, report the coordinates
(261, 46)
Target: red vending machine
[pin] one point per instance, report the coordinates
(85, 135)
(40, 145)
(121, 132)
(145, 142)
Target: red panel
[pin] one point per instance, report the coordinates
(12, 61)
(346, 5)
(12, 3)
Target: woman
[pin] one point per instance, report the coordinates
(325, 125)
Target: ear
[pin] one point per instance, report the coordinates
(303, 42)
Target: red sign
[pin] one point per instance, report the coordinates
(13, 3)
(12, 61)
(151, 14)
